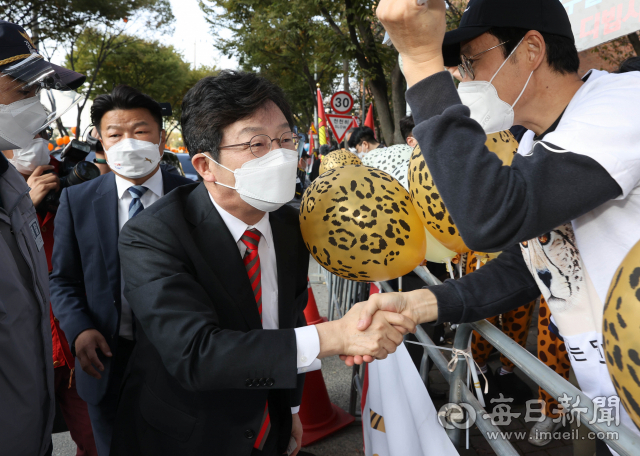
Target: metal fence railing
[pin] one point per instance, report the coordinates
(343, 294)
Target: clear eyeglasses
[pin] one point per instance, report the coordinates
(466, 67)
(260, 145)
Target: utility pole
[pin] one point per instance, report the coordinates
(345, 67)
(364, 106)
(316, 137)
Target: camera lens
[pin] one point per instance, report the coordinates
(83, 172)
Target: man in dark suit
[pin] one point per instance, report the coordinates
(216, 276)
(86, 282)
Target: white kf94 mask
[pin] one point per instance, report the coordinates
(28, 159)
(133, 158)
(266, 183)
(486, 107)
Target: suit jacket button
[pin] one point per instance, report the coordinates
(249, 434)
(263, 382)
(256, 382)
(248, 383)
(270, 382)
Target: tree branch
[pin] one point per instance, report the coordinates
(330, 21)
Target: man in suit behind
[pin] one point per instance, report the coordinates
(86, 282)
(216, 277)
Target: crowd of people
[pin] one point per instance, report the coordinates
(137, 300)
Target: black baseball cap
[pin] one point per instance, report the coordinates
(548, 16)
(16, 45)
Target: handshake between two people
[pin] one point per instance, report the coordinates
(375, 328)
(370, 330)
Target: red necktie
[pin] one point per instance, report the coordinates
(251, 239)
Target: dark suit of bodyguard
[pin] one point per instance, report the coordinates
(86, 282)
(86, 279)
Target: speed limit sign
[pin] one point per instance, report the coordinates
(341, 102)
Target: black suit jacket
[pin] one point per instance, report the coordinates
(85, 281)
(203, 367)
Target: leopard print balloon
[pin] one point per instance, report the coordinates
(429, 205)
(426, 198)
(504, 145)
(621, 332)
(338, 158)
(358, 223)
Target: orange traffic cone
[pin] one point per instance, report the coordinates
(311, 313)
(318, 415)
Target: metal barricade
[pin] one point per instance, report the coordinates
(343, 294)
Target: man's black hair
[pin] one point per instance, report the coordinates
(406, 126)
(354, 132)
(324, 149)
(215, 102)
(631, 64)
(124, 97)
(364, 134)
(304, 155)
(562, 55)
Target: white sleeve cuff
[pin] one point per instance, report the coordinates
(295, 410)
(307, 349)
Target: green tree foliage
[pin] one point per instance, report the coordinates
(64, 24)
(151, 67)
(60, 20)
(360, 34)
(284, 41)
(291, 41)
(193, 76)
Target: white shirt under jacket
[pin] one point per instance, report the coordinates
(307, 339)
(155, 191)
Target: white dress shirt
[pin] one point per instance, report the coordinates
(155, 190)
(307, 339)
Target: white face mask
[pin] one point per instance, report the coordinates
(266, 183)
(486, 107)
(353, 150)
(133, 158)
(19, 122)
(28, 159)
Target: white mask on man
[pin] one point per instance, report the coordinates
(28, 159)
(133, 158)
(266, 183)
(493, 114)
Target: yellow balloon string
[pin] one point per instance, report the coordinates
(449, 267)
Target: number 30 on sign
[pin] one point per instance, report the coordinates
(341, 102)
